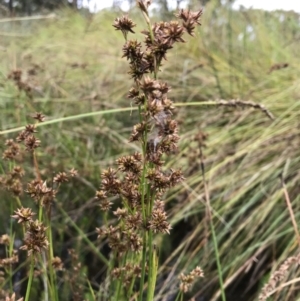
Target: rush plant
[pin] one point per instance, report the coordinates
(140, 181)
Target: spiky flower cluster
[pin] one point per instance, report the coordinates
(16, 77)
(188, 280)
(127, 273)
(35, 240)
(12, 298)
(11, 258)
(158, 40)
(12, 181)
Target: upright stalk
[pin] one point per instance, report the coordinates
(30, 277)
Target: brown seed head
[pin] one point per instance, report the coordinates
(30, 129)
(57, 264)
(13, 149)
(23, 215)
(110, 182)
(129, 164)
(37, 189)
(158, 222)
(101, 195)
(124, 24)
(105, 204)
(38, 116)
(189, 20)
(61, 177)
(13, 298)
(133, 221)
(135, 241)
(31, 143)
(17, 172)
(73, 172)
(35, 238)
(121, 213)
(4, 239)
(188, 280)
(9, 261)
(143, 5)
(173, 33)
(132, 51)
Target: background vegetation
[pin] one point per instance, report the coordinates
(73, 67)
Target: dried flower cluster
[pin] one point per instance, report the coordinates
(27, 137)
(277, 276)
(35, 240)
(12, 258)
(16, 76)
(158, 40)
(75, 277)
(9, 261)
(12, 181)
(188, 280)
(12, 298)
(127, 273)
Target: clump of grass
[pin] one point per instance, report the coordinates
(140, 180)
(37, 231)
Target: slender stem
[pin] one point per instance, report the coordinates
(9, 250)
(152, 39)
(44, 276)
(18, 202)
(40, 216)
(151, 270)
(120, 281)
(51, 269)
(153, 266)
(144, 210)
(291, 212)
(207, 199)
(36, 166)
(29, 283)
(179, 295)
(142, 280)
(130, 287)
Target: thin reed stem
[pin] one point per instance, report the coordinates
(30, 278)
(291, 212)
(207, 200)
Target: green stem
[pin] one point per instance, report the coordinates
(44, 276)
(218, 260)
(51, 269)
(120, 281)
(153, 266)
(29, 283)
(40, 211)
(9, 251)
(179, 295)
(129, 293)
(207, 199)
(142, 280)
